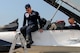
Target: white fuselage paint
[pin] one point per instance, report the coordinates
(48, 37)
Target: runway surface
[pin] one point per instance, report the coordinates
(50, 49)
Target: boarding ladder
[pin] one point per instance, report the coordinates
(22, 40)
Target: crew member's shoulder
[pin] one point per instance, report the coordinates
(35, 12)
(76, 24)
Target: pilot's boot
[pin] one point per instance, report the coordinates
(28, 44)
(29, 41)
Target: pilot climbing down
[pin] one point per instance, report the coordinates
(33, 20)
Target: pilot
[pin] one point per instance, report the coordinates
(33, 21)
(73, 24)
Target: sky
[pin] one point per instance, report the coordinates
(10, 10)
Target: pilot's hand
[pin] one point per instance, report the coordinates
(41, 30)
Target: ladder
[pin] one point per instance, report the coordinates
(22, 40)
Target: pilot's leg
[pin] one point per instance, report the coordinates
(28, 32)
(29, 36)
(23, 31)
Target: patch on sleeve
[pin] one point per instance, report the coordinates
(27, 15)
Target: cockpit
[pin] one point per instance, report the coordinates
(72, 10)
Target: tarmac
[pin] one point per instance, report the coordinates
(50, 49)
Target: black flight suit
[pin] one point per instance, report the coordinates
(74, 26)
(33, 21)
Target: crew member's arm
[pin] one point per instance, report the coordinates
(40, 23)
(24, 21)
(39, 19)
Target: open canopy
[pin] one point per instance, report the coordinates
(69, 7)
(74, 4)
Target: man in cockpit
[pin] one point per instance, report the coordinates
(73, 24)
